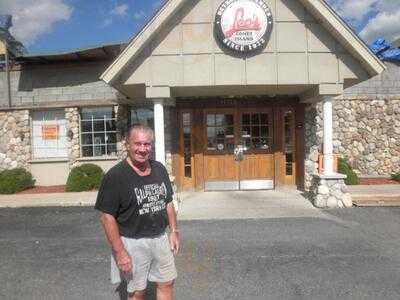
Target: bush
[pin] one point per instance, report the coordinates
(345, 168)
(15, 180)
(84, 178)
(396, 176)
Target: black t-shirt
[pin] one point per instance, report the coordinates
(138, 203)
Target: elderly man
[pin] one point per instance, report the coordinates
(135, 199)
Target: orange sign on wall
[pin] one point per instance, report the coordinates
(49, 132)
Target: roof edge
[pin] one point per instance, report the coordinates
(346, 35)
(71, 51)
(319, 8)
(140, 39)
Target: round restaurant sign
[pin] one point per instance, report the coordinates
(243, 25)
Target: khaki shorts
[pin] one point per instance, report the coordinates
(152, 260)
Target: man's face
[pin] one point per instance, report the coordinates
(139, 146)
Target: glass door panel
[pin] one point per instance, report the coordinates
(256, 169)
(256, 131)
(220, 132)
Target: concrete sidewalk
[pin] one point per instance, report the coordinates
(48, 199)
(279, 203)
(230, 205)
(195, 206)
(375, 195)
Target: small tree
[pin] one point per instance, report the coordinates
(345, 168)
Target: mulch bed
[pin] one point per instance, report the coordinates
(61, 188)
(45, 189)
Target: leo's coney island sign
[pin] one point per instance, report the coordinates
(243, 25)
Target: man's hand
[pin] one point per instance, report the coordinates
(124, 261)
(174, 235)
(174, 242)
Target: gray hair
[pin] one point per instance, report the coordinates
(142, 128)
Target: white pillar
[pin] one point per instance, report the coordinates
(159, 131)
(328, 137)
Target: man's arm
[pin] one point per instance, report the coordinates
(174, 235)
(122, 257)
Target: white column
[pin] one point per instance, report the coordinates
(159, 131)
(328, 137)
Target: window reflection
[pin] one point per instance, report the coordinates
(98, 132)
(288, 131)
(255, 131)
(187, 143)
(220, 132)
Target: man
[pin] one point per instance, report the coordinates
(135, 199)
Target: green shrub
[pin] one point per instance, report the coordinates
(345, 168)
(84, 178)
(396, 176)
(15, 180)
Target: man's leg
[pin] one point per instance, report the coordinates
(139, 295)
(165, 291)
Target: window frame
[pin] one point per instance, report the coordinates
(32, 136)
(135, 107)
(93, 132)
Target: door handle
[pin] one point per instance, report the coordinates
(238, 153)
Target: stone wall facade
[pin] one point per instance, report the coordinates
(73, 138)
(313, 125)
(15, 139)
(330, 192)
(366, 132)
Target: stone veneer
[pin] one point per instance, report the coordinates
(73, 139)
(313, 141)
(15, 139)
(366, 131)
(330, 191)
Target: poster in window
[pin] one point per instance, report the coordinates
(50, 132)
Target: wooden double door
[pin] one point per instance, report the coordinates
(238, 145)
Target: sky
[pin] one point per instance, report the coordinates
(61, 25)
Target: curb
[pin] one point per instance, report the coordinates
(48, 200)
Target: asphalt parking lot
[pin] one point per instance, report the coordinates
(61, 253)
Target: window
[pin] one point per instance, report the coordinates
(49, 138)
(142, 116)
(187, 144)
(98, 132)
(256, 131)
(220, 132)
(288, 133)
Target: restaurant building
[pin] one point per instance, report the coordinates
(242, 95)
